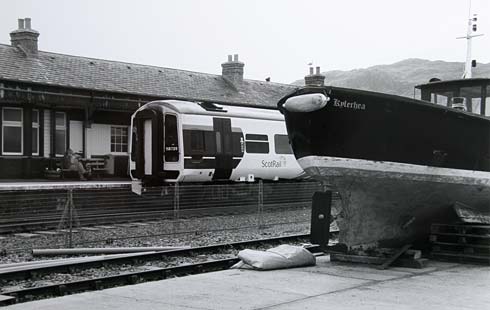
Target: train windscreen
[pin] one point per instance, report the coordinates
(171, 139)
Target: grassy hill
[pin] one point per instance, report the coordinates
(399, 78)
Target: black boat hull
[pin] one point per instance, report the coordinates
(398, 163)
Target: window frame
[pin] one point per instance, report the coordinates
(36, 125)
(16, 124)
(258, 140)
(121, 144)
(60, 127)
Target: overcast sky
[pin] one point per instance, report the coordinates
(274, 38)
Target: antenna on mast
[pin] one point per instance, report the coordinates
(472, 27)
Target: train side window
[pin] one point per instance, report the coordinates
(209, 143)
(197, 141)
(171, 138)
(258, 144)
(281, 143)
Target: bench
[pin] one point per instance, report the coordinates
(96, 165)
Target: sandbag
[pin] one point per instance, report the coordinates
(283, 256)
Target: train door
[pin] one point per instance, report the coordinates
(224, 149)
(147, 141)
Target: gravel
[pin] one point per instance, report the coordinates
(185, 232)
(182, 232)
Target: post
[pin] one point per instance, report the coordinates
(260, 205)
(70, 215)
(176, 201)
(320, 219)
(176, 223)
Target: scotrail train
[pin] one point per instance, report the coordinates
(183, 141)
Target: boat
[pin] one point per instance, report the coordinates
(399, 164)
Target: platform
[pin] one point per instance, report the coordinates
(325, 286)
(61, 184)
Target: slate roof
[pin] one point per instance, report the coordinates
(111, 76)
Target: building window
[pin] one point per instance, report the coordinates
(12, 132)
(35, 132)
(60, 134)
(258, 144)
(119, 139)
(281, 143)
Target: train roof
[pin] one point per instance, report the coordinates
(200, 108)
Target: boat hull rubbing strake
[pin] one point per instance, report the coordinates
(306, 103)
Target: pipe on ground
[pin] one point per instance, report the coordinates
(80, 251)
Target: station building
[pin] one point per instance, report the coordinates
(50, 102)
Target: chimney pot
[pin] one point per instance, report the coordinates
(316, 80)
(233, 70)
(28, 22)
(25, 38)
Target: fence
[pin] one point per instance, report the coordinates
(176, 210)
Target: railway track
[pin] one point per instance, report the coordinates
(33, 223)
(36, 273)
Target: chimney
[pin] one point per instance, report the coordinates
(315, 78)
(25, 38)
(233, 70)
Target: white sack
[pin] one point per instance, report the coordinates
(283, 256)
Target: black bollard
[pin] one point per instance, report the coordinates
(320, 219)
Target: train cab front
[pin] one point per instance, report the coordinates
(155, 157)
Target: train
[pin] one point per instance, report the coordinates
(184, 141)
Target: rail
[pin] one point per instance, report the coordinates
(125, 278)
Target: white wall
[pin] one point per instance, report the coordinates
(47, 127)
(99, 139)
(76, 136)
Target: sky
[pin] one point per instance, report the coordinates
(274, 38)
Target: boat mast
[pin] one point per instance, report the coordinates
(469, 35)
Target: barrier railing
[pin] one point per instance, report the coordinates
(73, 208)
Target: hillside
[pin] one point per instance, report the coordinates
(399, 78)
